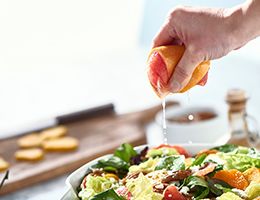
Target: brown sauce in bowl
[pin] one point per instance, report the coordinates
(193, 117)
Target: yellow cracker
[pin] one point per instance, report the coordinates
(29, 154)
(28, 141)
(53, 133)
(61, 144)
(3, 165)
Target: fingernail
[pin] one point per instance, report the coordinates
(175, 86)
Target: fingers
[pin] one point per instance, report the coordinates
(183, 71)
(164, 36)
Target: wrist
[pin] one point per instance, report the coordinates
(242, 24)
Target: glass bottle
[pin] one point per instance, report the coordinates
(243, 127)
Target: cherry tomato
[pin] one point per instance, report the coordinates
(171, 193)
(83, 184)
(180, 150)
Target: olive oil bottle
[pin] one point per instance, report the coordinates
(243, 127)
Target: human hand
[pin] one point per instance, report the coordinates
(206, 33)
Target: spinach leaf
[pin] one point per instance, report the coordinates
(199, 186)
(218, 187)
(107, 195)
(224, 189)
(226, 148)
(125, 152)
(113, 164)
(199, 160)
(174, 163)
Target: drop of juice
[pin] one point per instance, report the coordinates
(164, 125)
(191, 117)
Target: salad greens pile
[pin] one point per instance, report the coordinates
(168, 172)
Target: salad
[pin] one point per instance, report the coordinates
(168, 172)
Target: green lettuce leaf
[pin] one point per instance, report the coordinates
(94, 185)
(253, 190)
(229, 196)
(142, 189)
(239, 161)
(146, 167)
(164, 151)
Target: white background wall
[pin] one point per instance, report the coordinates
(58, 56)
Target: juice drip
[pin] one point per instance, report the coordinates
(190, 116)
(164, 126)
(188, 97)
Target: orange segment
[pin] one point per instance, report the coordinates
(233, 177)
(252, 174)
(163, 60)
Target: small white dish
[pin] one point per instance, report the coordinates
(74, 179)
(205, 131)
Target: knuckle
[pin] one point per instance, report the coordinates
(195, 52)
(177, 11)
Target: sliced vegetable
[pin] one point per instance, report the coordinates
(172, 163)
(233, 177)
(172, 193)
(125, 152)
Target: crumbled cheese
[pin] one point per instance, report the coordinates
(240, 193)
(165, 151)
(185, 190)
(194, 169)
(159, 186)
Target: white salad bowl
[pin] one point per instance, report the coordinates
(208, 131)
(74, 179)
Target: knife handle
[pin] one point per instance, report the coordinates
(85, 114)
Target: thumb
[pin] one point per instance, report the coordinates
(183, 71)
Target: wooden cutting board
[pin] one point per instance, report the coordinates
(97, 136)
